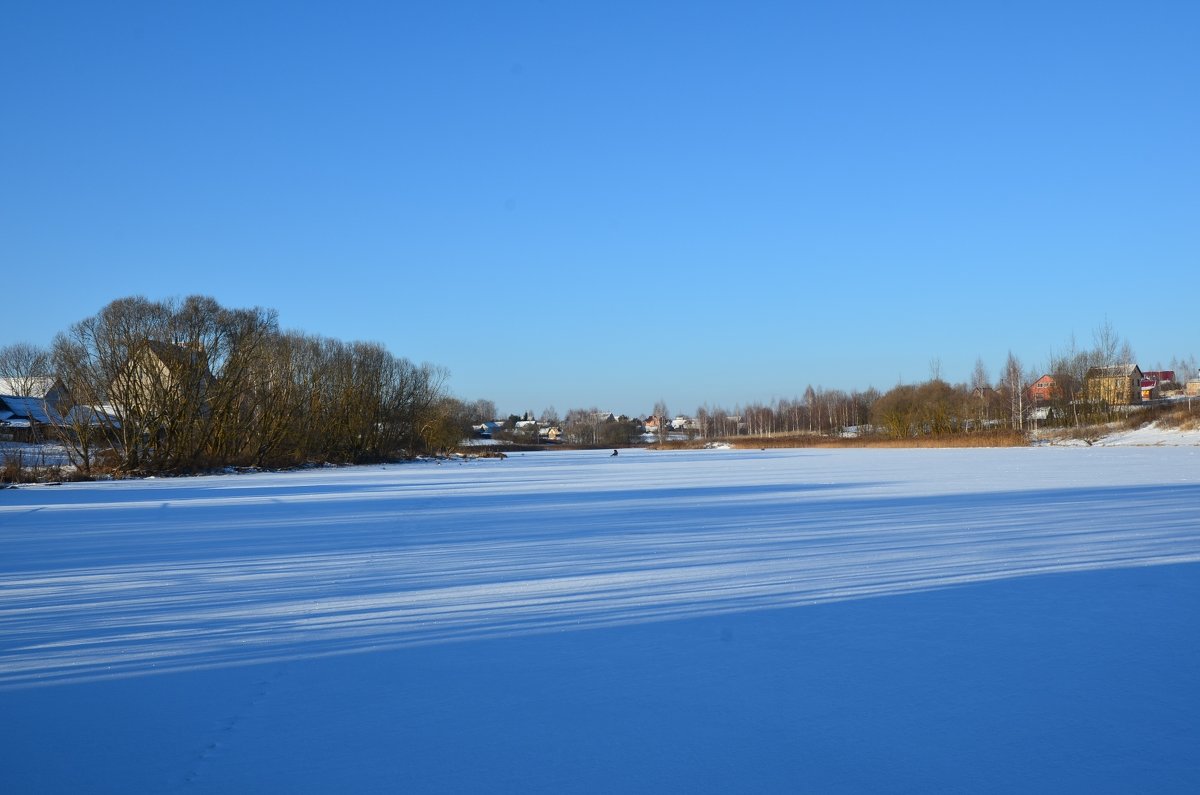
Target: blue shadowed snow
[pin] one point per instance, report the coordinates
(996, 620)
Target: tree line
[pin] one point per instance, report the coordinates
(936, 406)
(588, 428)
(189, 385)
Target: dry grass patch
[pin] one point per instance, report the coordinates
(964, 440)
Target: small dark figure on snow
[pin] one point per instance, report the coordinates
(614, 453)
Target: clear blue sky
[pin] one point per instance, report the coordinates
(606, 204)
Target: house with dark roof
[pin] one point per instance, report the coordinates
(30, 407)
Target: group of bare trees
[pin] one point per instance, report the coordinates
(594, 428)
(818, 411)
(937, 407)
(182, 386)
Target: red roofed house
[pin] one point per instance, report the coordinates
(1161, 376)
(1045, 390)
(1153, 382)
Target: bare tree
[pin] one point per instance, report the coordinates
(1016, 391)
(981, 390)
(24, 368)
(704, 422)
(979, 376)
(481, 411)
(1109, 348)
(660, 411)
(814, 410)
(447, 425)
(582, 426)
(896, 411)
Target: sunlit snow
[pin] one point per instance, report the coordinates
(697, 621)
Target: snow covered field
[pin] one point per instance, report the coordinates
(1151, 435)
(1015, 620)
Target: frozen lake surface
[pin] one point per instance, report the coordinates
(1018, 620)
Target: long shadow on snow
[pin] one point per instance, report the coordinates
(355, 518)
(359, 576)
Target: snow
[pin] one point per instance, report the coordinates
(707, 621)
(36, 456)
(1152, 435)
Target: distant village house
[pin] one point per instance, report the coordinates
(1117, 386)
(31, 407)
(1045, 390)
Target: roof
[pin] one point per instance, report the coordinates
(177, 357)
(37, 386)
(1116, 371)
(29, 408)
(91, 415)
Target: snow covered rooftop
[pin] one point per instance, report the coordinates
(34, 409)
(40, 386)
